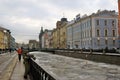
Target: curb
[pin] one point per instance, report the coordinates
(9, 69)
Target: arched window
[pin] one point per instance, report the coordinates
(113, 23)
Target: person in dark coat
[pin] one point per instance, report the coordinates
(27, 57)
(19, 51)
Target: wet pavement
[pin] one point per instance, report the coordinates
(18, 72)
(7, 64)
(67, 68)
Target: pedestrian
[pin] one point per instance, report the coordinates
(19, 51)
(27, 57)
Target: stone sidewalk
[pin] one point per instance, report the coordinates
(11, 68)
(7, 66)
(18, 72)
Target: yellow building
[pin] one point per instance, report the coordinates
(58, 25)
(54, 38)
(59, 34)
(2, 46)
(63, 35)
(4, 38)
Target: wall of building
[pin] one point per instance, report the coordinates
(69, 35)
(83, 33)
(2, 46)
(63, 35)
(102, 41)
(12, 43)
(5, 38)
(119, 21)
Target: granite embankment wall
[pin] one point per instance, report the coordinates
(110, 58)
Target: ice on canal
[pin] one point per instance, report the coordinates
(67, 68)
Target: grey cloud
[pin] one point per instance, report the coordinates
(37, 13)
(23, 9)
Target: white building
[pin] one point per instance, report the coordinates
(97, 31)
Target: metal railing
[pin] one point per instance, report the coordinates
(39, 73)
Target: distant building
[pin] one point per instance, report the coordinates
(59, 34)
(40, 38)
(97, 31)
(12, 43)
(62, 28)
(46, 39)
(25, 46)
(2, 44)
(54, 38)
(4, 38)
(33, 44)
(119, 20)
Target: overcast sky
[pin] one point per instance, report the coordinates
(24, 18)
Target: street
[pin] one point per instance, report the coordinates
(7, 63)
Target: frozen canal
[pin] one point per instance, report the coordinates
(67, 68)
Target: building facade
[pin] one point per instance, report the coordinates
(97, 31)
(63, 33)
(4, 38)
(119, 21)
(59, 34)
(40, 38)
(33, 44)
(12, 43)
(54, 38)
(46, 39)
(2, 45)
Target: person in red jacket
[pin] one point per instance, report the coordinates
(19, 51)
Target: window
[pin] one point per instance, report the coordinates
(105, 22)
(97, 22)
(98, 41)
(98, 33)
(106, 42)
(113, 42)
(113, 32)
(113, 23)
(76, 46)
(106, 33)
